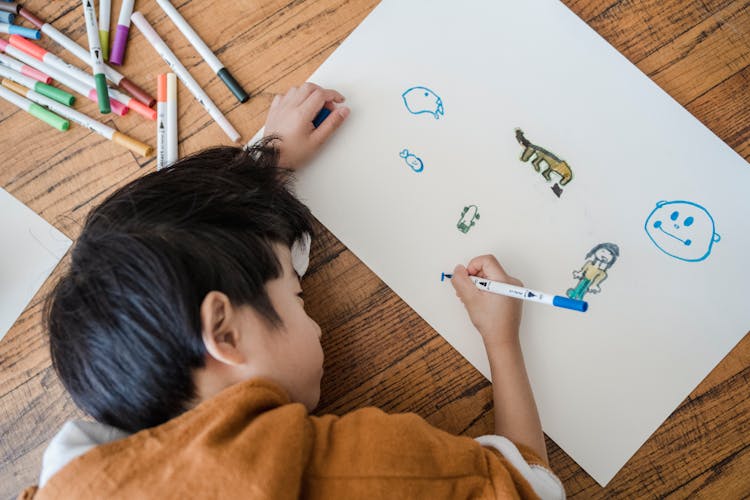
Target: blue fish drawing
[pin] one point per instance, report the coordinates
(420, 100)
(412, 160)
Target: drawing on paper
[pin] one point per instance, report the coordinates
(594, 271)
(552, 163)
(469, 217)
(419, 100)
(412, 160)
(682, 229)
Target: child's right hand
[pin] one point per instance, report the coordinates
(497, 317)
(290, 119)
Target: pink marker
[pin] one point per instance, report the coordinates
(76, 86)
(24, 69)
(43, 55)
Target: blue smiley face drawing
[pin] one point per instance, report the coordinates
(419, 100)
(682, 229)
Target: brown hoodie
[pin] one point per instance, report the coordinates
(250, 442)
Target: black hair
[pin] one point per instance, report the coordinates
(124, 319)
(611, 248)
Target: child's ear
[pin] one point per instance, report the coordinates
(219, 328)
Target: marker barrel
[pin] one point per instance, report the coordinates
(182, 73)
(161, 122)
(172, 134)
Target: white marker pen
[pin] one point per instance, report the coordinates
(518, 292)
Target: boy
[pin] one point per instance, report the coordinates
(181, 329)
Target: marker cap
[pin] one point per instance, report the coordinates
(135, 90)
(142, 109)
(161, 88)
(24, 32)
(576, 305)
(102, 93)
(104, 42)
(320, 117)
(27, 46)
(54, 93)
(11, 7)
(31, 17)
(233, 85)
(118, 46)
(36, 74)
(7, 17)
(49, 117)
(132, 144)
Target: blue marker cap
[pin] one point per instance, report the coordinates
(576, 305)
(322, 115)
(29, 33)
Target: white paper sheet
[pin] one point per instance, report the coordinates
(603, 380)
(30, 250)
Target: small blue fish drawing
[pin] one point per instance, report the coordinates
(412, 160)
(420, 100)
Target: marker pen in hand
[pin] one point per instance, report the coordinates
(518, 292)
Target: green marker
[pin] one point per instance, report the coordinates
(47, 90)
(34, 109)
(97, 61)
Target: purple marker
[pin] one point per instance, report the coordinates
(121, 33)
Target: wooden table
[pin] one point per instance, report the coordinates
(379, 352)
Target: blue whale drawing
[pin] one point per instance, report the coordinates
(420, 100)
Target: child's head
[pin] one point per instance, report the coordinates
(182, 283)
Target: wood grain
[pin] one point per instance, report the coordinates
(378, 351)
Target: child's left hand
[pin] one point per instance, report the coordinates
(290, 119)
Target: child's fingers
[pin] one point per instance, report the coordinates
(329, 125)
(317, 100)
(488, 267)
(304, 91)
(464, 287)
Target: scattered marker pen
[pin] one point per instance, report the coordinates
(184, 75)
(121, 32)
(7, 17)
(97, 62)
(73, 84)
(518, 292)
(106, 131)
(203, 49)
(58, 95)
(34, 109)
(122, 100)
(161, 121)
(112, 74)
